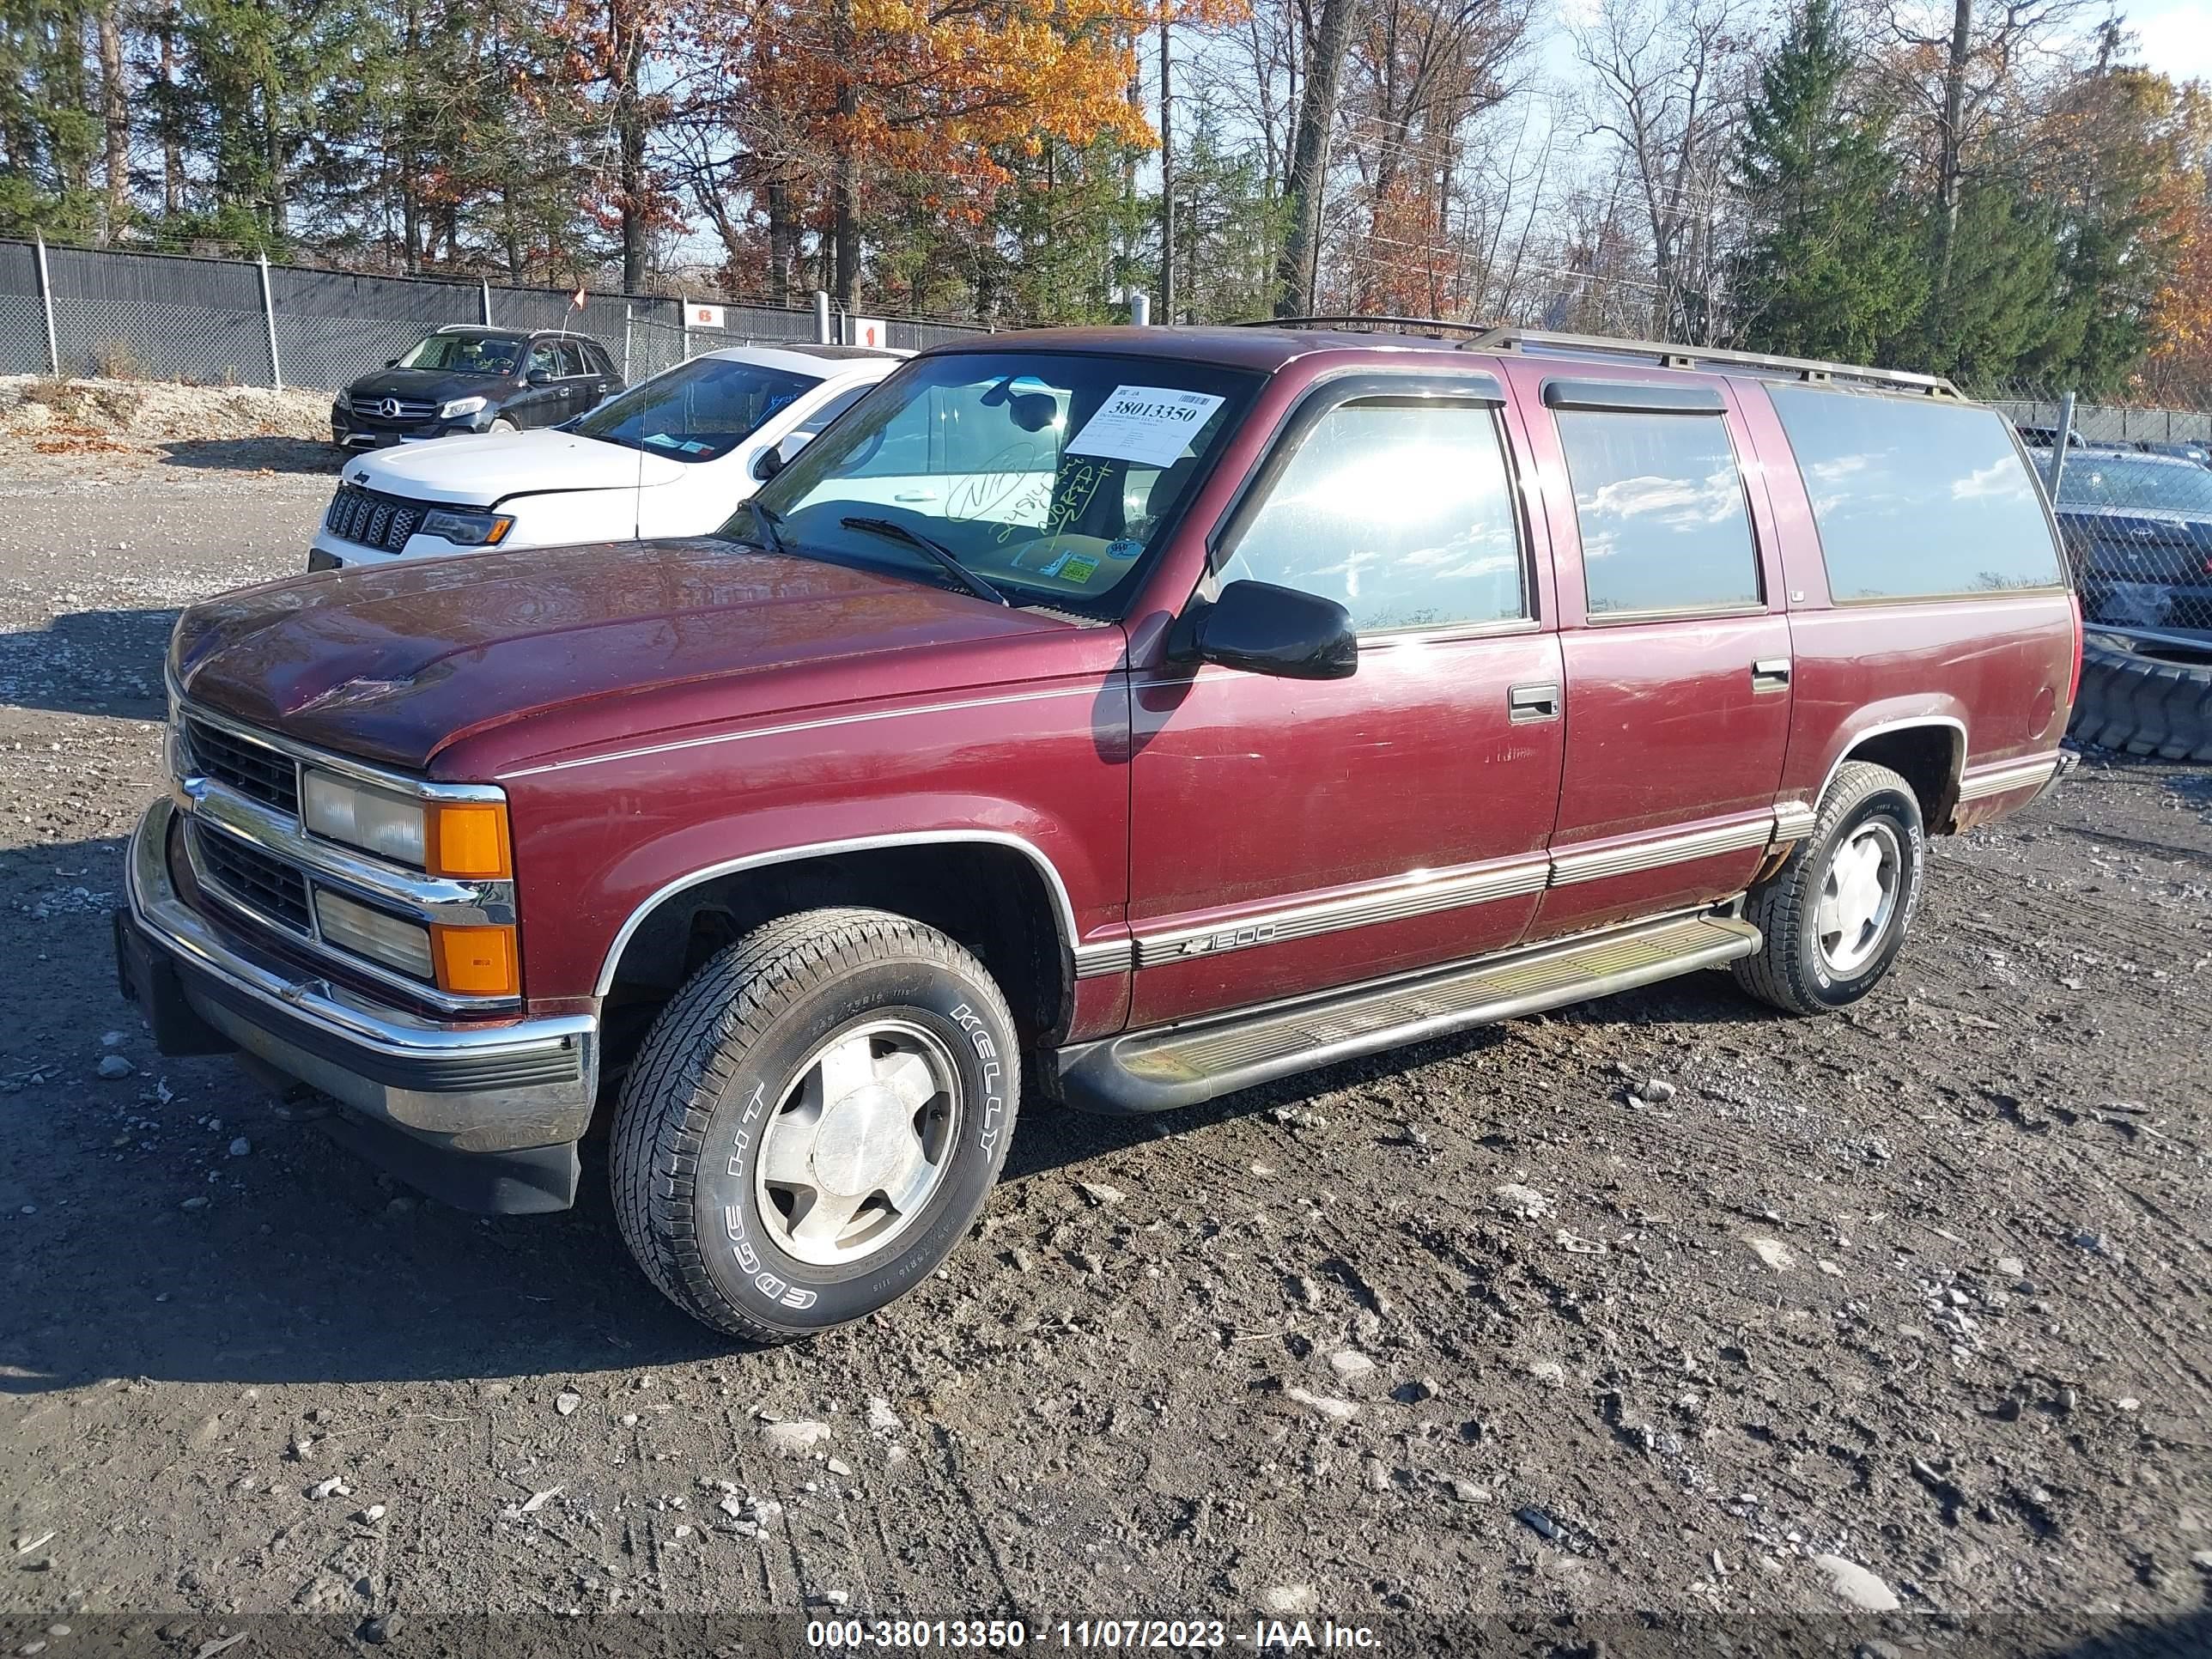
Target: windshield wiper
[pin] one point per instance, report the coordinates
(772, 521)
(937, 551)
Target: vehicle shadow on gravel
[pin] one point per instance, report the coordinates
(89, 662)
(298, 1263)
(303, 455)
(2188, 1637)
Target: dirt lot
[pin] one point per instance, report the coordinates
(1474, 1330)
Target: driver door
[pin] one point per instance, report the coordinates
(1288, 835)
(539, 404)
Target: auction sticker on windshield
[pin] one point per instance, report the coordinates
(1149, 425)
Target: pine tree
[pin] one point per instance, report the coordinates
(1832, 268)
(2001, 307)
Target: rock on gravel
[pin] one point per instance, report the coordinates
(1515, 1199)
(113, 1066)
(1775, 1254)
(567, 1401)
(795, 1439)
(1855, 1584)
(1323, 1405)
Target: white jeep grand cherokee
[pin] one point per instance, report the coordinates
(672, 456)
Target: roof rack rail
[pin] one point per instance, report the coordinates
(1813, 370)
(1415, 325)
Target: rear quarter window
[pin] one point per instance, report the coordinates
(1917, 500)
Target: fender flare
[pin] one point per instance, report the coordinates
(1063, 907)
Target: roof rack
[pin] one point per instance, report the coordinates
(1413, 324)
(1811, 370)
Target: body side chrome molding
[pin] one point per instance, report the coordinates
(1087, 959)
(1419, 894)
(1672, 848)
(1425, 892)
(1108, 956)
(2006, 776)
(1794, 821)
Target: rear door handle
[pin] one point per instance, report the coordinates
(1527, 703)
(1771, 674)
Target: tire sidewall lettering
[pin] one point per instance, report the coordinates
(1828, 987)
(739, 1255)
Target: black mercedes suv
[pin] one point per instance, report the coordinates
(463, 378)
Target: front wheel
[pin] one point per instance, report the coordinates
(502, 424)
(814, 1121)
(1835, 915)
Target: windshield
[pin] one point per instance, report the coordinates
(1052, 476)
(464, 353)
(696, 412)
(2170, 486)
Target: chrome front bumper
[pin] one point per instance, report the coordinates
(476, 1089)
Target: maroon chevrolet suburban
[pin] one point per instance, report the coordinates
(1122, 717)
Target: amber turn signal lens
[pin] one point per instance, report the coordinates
(476, 962)
(468, 840)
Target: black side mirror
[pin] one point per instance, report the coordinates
(392, 362)
(1033, 411)
(540, 377)
(781, 454)
(1265, 629)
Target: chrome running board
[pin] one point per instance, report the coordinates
(1183, 1064)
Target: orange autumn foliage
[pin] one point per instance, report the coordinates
(938, 90)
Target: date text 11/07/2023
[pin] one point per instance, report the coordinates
(1141, 1635)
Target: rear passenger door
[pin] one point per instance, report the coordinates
(1288, 835)
(1675, 643)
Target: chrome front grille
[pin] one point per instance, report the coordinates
(397, 409)
(239, 794)
(254, 770)
(373, 519)
(266, 885)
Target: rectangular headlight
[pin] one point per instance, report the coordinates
(402, 944)
(465, 529)
(465, 839)
(376, 820)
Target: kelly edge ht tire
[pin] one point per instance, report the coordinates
(813, 1122)
(1835, 915)
(2141, 703)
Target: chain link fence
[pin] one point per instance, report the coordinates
(2134, 499)
(71, 312)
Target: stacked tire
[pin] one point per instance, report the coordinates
(2145, 698)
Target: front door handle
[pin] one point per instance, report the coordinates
(1527, 703)
(1771, 674)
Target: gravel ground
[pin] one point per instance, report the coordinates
(1492, 1327)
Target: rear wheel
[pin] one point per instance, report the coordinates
(813, 1122)
(1835, 915)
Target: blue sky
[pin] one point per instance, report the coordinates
(2176, 36)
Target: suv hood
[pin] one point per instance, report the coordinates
(396, 662)
(488, 471)
(434, 384)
